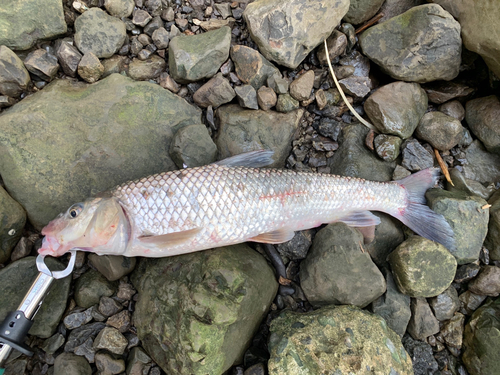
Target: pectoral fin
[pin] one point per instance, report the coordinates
(175, 238)
(277, 236)
(360, 219)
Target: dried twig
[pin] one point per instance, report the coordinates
(444, 167)
(486, 206)
(369, 23)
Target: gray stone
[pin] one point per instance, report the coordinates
(224, 9)
(112, 267)
(106, 364)
(397, 108)
(160, 38)
(453, 109)
(138, 362)
(153, 25)
(90, 287)
(442, 91)
(79, 336)
(393, 306)
(301, 87)
(405, 46)
(467, 272)
(70, 364)
(338, 271)
(42, 64)
(422, 322)
(278, 84)
(466, 217)
(487, 283)
(286, 32)
(481, 165)
(492, 241)
(330, 128)
(120, 321)
(326, 98)
(297, 247)
(218, 296)
(108, 306)
(362, 10)
(12, 219)
(86, 350)
(445, 304)
(469, 186)
(154, 7)
(481, 115)
(242, 130)
(387, 146)
(422, 268)
(388, 236)
(251, 67)
(119, 8)
(266, 98)
(6, 101)
(215, 92)
(469, 302)
(92, 25)
(192, 146)
(167, 82)
(393, 8)
(453, 331)
(286, 103)
(88, 151)
(23, 23)
(309, 343)
(422, 356)
(112, 340)
(141, 18)
(415, 156)
(192, 58)
(247, 96)
(14, 78)
(358, 61)
(358, 87)
(441, 131)
(15, 281)
(69, 58)
(53, 343)
(90, 68)
(142, 70)
(353, 159)
(77, 319)
(400, 173)
(336, 43)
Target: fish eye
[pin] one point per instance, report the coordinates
(75, 210)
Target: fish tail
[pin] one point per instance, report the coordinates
(419, 217)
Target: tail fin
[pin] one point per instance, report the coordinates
(420, 218)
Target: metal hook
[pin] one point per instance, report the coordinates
(42, 267)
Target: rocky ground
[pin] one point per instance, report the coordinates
(94, 93)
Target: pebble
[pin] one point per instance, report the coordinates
(422, 323)
(453, 330)
(453, 109)
(155, 24)
(278, 84)
(445, 304)
(441, 131)
(6, 101)
(358, 87)
(160, 38)
(78, 336)
(115, 64)
(301, 87)
(119, 8)
(469, 302)
(336, 43)
(86, 350)
(108, 365)
(90, 68)
(247, 96)
(77, 319)
(141, 18)
(14, 78)
(358, 61)
(138, 362)
(69, 58)
(42, 64)
(487, 283)
(147, 69)
(108, 306)
(70, 364)
(415, 156)
(481, 115)
(120, 321)
(167, 82)
(387, 146)
(466, 272)
(112, 340)
(112, 267)
(251, 67)
(53, 343)
(286, 103)
(441, 91)
(422, 357)
(215, 92)
(90, 287)
(22, 249)
(266, 98)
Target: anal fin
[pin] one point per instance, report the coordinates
(360, 219)
(277, 236)
(175, 238)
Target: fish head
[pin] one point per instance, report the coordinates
(97, 225)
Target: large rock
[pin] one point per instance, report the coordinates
(338, 271)
(193, 147)
(420, 45)
(242, 130)
(286, 31)
(206, 306)
(479, 23)
(195, 57)
(90, 28)
(388, 236)
(15, 281)
(335, 340)
(97, 136)
(492, 241)
(24, 22)
(481, 166)
(14, 78)
(251, 67)
(362, 10)
(12, 220)
(482, 117)
(397, 108)
(441, 131)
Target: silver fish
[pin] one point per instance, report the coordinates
(233, 201)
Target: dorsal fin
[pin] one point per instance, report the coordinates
(252, 159)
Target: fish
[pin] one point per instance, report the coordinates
(232, 201)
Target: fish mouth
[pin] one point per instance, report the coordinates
(51, 246)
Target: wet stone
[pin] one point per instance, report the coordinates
(441, 131)
(6, 101)
(53, 343)
(112, 340)
(286, 103)
(22, 249)
(77, 319)
(125, 291)
(251, 67)
(421, 356)
(445, 304)
(469, 302)
(297, 247)
(106, 364)
(144, 70)
(120, 321)
(452, 331)
(160, 38)
(481, 166)
(329, 128)
(70, 364)
(138, 362)
(108, 306)
(358, 61)
(90, 287)
(387, 146)
(86, 349)
(42, 64)
(453, 109)
(441, 91)
(300, 88)
(492, 241)
(422, 323)
(14, 78)
(266, 98)
(487, 283)
(154, 25)
(78, 336)
(90, 68)
(141, 18)
(119, 8)
(167, 82)
(358, 87)
(69, 58)
(469, 186)
(112, 267)
(215, 92)
(467, 272)
(247, 96)
(336, 43)
(415, 156)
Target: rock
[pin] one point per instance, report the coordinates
(77, 319)
(453, 330)
(23, 23)
(487, 283)
(192, 58)
(108, 306)
(335, 333)
(112, 267)
(69, 58)
(86, 350)
(388, 236)
(242, 130)
(358, 87)
(79, 336)
(278, 84)
(160, 38)
(441, 131)
(141, 18)
(251, 67)
(481, 165)
(247, 96)
(479, 33)
(119, 8)
(481, 115)
(138, 362)
(112, 340)
(441, 91)
(415, 156)
(481, 346)
(453, 109)
(326, 98)
(193, 147)
(338, 271)
(219, 296)
(153, 25)
(215, 24)
(106, 364)
(387, 146)
(467, 272)
(224, 9)
(297, 247)
(400, 173)
(492, 241)
(355, 160)
(90, 287)
(468, 186)
(422, 268)
(286, 103)
(362, 10)
(215, 92)
(16, 279)
(393, 306)
(92, 25)
(266, 98)
(360, 63)
(422, 357)
(42, 64)
(6, 101)
(469, 302)
(404, 47)
(167, 82)
(120, 321)
(300, 88)
(466, 217)
(445, 304)
(14, 78)
(125, 291)
(90, 68)
(142, 70)
(94, 157)
(70, 364)
(397, 108)
(53, 343)
(336, 43)
(12, 219)
(286, 32)
(422, 322)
